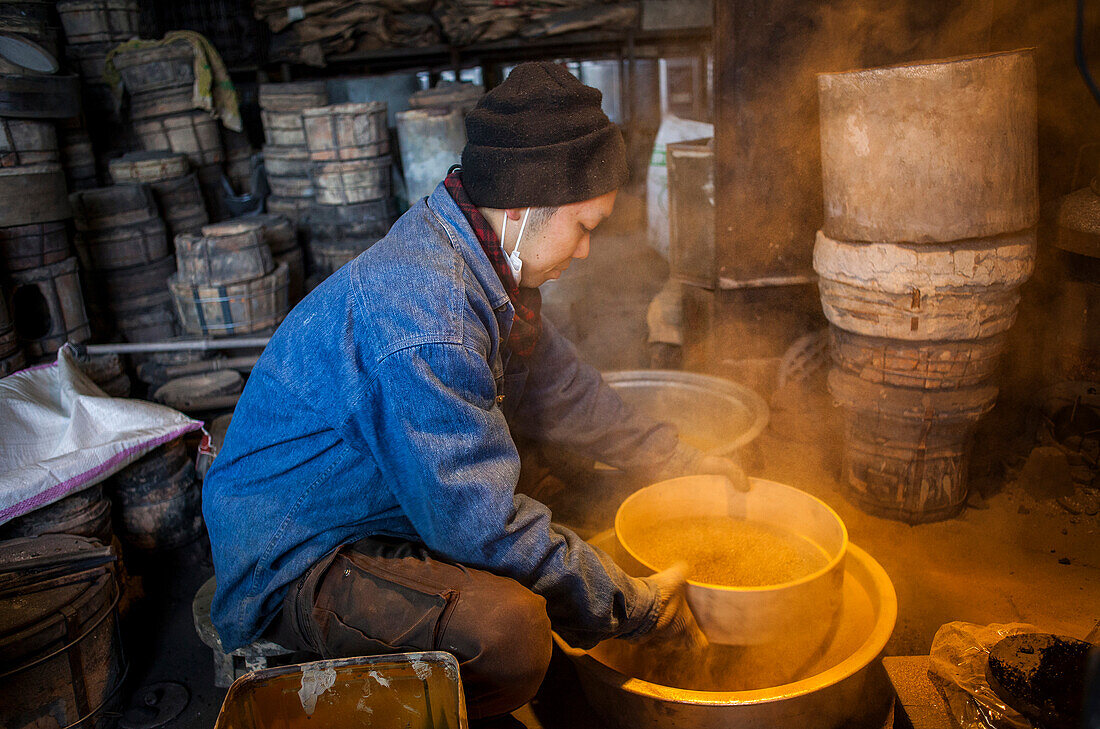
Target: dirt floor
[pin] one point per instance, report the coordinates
(1008, 557)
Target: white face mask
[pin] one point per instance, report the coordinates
(513, 259)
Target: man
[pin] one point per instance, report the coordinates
(364, 499)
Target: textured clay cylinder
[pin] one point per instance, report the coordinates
(930, 152)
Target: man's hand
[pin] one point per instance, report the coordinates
(721, 466)
(676, 631)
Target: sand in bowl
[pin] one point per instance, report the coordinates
(721, 550)
(731, 552)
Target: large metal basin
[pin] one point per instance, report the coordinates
(804, 607)
(843, 685)
(715, 415)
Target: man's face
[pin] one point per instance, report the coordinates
(549, 249)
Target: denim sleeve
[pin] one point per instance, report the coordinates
(567, 403)
(429, 418)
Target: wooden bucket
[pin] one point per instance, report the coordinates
(277, 230)
(12, 362)
(111, 207)
(108, 372)
(920, 365)
(63, 660)
(97, 21)
(41, 191)
(181, 204)
(148, 167)
(189, 223)
(211, 182)
(283, 128)
(85, 513)
(967, 290)
(166, 102)
(286, 161)
(292, 187)
(194, 133)
(78, 160)
(293, 96)
(906, 450)
(27, 142)
(35, 245)
(239, 308)
(161, 513)
(157, 465)
(295, 261)
(326, 258)
(931, 152)
(11, 356)
(463, 97)
(88, 60)
(335, 223)
(148, 318)
(346, 131)
(295, 209)
(39, 97)
(32, 18)
(134, 281)
(354, 181)
(225, 253)
(154, 69)
(48, 308)
(123, 246)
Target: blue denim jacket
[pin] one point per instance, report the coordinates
(383, 406)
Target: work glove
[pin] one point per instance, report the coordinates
(676, 631)
(723, 466)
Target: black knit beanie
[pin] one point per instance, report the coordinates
(540, 139)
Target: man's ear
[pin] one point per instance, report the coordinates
(514, 213)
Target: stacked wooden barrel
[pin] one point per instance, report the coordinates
(108, 372)
(158, 504)
(32, 19)
(160, 82)
(350, 165)
(282, 238)
(238, 161)
(77, 155)
(92, 28)
(60, 643)
(11, 354)
(286, 158)
(85, 513)
(44, 306)
(930, 205)
(175, 187)
(124, 247)
(228, 282)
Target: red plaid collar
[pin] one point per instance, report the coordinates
(527, 324)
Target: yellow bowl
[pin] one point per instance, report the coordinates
(801, 610)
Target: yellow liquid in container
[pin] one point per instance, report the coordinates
(721, 550)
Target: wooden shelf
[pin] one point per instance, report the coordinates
(587, 44)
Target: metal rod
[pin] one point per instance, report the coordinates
(176, 346)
